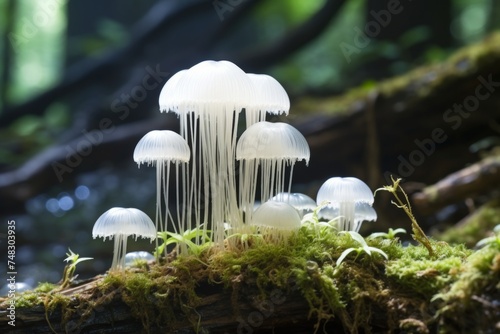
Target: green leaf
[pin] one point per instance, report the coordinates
(359, 238)
(343, 255)
(381, 252)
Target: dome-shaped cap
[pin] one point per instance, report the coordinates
(271, 96)
(208, 86)
(277, 215)
(161, 145)
(266, 140)
(344, 189)
(124, 221)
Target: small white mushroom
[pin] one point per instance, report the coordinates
(120, 223)
(344, 193)
(276, 220)
(301, 202)
(160, 148)
(132, 257)
(273, 147)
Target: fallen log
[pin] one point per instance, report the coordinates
(478, 179)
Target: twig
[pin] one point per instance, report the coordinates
(418, 233)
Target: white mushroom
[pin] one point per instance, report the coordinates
(276, 220)
(208, 98)
(301, 202)
(120, 223)
(160, 148)
(344, 193)
(273, 147)
(132, 258)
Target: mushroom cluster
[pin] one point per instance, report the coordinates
(209, 98)
(211, 189)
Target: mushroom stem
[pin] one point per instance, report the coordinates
(158, 217)
(346, 213)
(119, 251)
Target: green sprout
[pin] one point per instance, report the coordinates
(389, 235)
(418, 233)
(184, 241)
(363, 248)
(244, 239)
(313, 220)
(70, 268)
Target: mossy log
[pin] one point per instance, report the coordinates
(296, 287)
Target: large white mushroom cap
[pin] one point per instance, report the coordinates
(207, 87)
(125, 222)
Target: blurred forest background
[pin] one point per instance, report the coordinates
(67, 65)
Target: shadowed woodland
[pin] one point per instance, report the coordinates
(378, 88)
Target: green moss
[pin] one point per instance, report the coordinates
(34, 297)
(482, 269)
(28, 299)
(474, 295)
(419, 274)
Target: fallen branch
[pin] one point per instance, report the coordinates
(477, 179)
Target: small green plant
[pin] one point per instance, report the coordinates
(389, 235)
(313, 220)
(244, 239)
(69, 270)
(418, 233)
(363, 248)
(184, 241)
